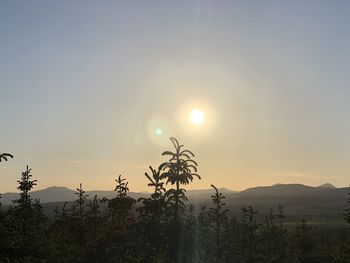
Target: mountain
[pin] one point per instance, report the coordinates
(278, 190)
(321, 204)
(61, 194)
(326, 185)
(316, 204)
(204, 194)
(51, 194)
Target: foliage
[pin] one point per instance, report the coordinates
(163, 227)
(23, 226)
(347, 212)
(217, 215)
(25, 186)
(5, 156)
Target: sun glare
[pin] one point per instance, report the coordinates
(197, 117)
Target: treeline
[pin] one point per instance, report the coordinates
(161, 228)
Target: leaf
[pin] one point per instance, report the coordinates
(168, 153)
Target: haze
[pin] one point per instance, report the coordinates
(85, 86)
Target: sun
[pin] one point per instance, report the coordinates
(197, 117)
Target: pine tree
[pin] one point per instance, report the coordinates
(120, 207)
(93, 216)
(218, 216)
(153, 207)
(78, 215)
(25, 186)
(120, 222)
(249, 233)
(25, 225)
(179, 170)
(152, 219)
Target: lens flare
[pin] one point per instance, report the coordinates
(159, 131)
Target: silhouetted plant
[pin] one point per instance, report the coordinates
(5, 156)
(122, 186)
(156, 183)
(206, 249)
(179, 170)
(121, 212)
(94, 231)
(80, 202)
(78, 215)
(280, 215)
(218, 216)
(191, 235)
(152, 207)
(60, 233)
(249, 231)
(341, 250)
(280, 236)
(25, 185)
(121, 205)
(93, 216)
(347, 211)
(304, 244)
(152, 219)
(24, 226)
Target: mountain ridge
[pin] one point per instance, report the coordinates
(63, 193)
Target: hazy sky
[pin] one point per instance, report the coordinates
(84, 85)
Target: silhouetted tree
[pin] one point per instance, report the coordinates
(191, 233)
(93, 216)
(24, 225)
(347, 211)
(249, 232)
(280, 236)
(120, 222)
(61, 236)
(25, 185)
(341, 250)
(152, 207)
(179, 170)
(152, 219)
(304, 244)
(218, 216)
(121, 206)
(78, 215)
(206, 250)
(165, 229)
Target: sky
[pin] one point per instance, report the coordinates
(84, 86)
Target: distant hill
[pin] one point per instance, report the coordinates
(278, 190)
(316, 204)
(61, 194)
(326, 185)
(321, 204)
